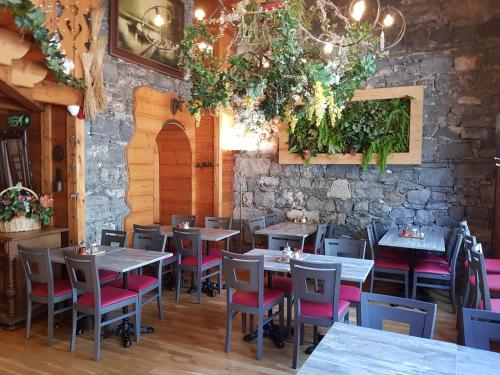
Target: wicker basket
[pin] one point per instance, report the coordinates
(20, 223)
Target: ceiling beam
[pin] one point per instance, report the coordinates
(18, 94)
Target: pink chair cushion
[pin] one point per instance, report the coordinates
(391, 253)
(205, 260)
(495, 305)
(109, 296)
(61, 287)
(350, 293)
(395, 263)
(431, 258)
(492, 265)
(322, 310)
(433, 268)
(283, 284)
(105, 275)
(251, 299)
(216, 251)
(135, 283)
(493, 282)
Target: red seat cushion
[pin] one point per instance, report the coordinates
(391, 253)
(431, 258)
(322, 310)
(492, 265)
(431, 267)
(493, 282)
(109, 296)
(282, 283)
(350, 293)
(136, 282)
(396, 264)
(205, 260)
(61, 287)
(309, 248)
(251, 299)
(105, 275)
(261, 247)
(216, 251)
(495, 305)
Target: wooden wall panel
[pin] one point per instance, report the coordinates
(59, 138)
(204, 176)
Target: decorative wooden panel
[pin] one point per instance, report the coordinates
(204, 174)
(414, 156)
(151, 113)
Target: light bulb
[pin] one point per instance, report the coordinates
(159, 21)
(202, 46)
(265, 64)
(358, 9)
(388, 20)
(199, 14)
(328, 47)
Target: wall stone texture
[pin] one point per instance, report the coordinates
(452, 49)
(107, 137)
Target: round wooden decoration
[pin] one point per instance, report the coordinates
(58, 153)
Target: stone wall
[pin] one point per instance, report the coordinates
(452, 49)
(108, 135)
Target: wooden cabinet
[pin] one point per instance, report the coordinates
(12, 279)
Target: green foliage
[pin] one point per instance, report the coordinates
(31, 18)
(19, 121)
(19, 202)
(374, 126)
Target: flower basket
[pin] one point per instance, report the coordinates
(16, 220)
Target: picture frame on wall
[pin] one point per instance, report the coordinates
(148, 33)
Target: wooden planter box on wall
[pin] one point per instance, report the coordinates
(413, 156)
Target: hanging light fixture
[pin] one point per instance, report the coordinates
(158, 20)
(199, 14)
(358, 9)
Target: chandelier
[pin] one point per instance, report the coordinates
(285, 63)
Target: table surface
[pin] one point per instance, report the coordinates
(356, 270)
(288, 228)
(118, 259)
(348, 350)
(207, 234)
(433, 241)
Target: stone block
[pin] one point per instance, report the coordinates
(361, 206)
(366, 190)
(436, 177)
(474, 170)
(248, 167)
(418, 196)
(469, 100)
(465, 62)
(424, 217)
(394, 197)
(269, 181)
(434, 63)
(457, 212)
(264, 199)
(379, 209)
(335, 171)
(455, 150)
(339, 189)
(344, 206)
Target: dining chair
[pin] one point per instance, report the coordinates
(218, 223)
(316, 306)
(399, 268)
(480, 328)
(350, 249)
(90, 298)
(272, 218)
(179, 219)
(145, 284)
(331, 229)
(250, 296)
(113, 238)
(380, 228)
(190, 258)
(481, 297)
(42, 287)
(317, 246)
(434, 275)
(376, 309)
(254, 224)
(152, 229)
(445, 258)
(279, 242)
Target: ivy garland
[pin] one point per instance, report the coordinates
(29, 17)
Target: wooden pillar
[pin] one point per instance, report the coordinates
(46, 150)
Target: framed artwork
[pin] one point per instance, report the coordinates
(148, 33)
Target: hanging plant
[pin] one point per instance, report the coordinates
(29, 17)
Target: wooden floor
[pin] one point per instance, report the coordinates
(190, 340)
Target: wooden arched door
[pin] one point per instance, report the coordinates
(175, 176)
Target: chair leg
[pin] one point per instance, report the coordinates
(465, 302)
(160, 302)
(296, 341)
(260, 336)
(372, 277)
(358, 314)
(289, 315)
(50, 323)
(251, 323)
(73, 330)
(315, 335)
(414, 289)
(97, 337)
(301, 333)
(178, 290)
(138, 317)
(282, 315)
(407, 286)
(453, 295)
(244, 323)
(220, 280)
(198, 286)
(28, 319)
(229, 328)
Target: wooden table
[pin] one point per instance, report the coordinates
(121, 260)
(12, 279)
(288, 228)
(433, 241)
(352, 350)
(356, 270)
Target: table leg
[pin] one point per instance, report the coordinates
(125, 329)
